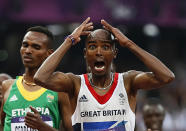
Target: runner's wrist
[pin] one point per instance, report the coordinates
(71, 39)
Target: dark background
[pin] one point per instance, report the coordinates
(158, 26)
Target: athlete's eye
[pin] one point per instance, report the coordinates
(106, 47)
(24, 44)
(91, 47)
(36, 46)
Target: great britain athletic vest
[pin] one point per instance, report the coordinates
(17, 105)
(110, 112)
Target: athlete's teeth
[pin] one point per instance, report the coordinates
(100, 68)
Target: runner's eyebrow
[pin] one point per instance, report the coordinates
(92, 41)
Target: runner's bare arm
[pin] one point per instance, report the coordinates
(66, 112)
(60, 81)
(6, 86)
(160, 74)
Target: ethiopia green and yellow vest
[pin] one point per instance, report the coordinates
(18, 103)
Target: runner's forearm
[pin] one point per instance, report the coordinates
(161, 71)
(51, 63)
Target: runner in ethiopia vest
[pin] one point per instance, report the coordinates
(19, 101)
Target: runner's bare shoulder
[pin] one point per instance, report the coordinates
(6, 84)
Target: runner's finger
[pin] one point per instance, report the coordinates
(88, 28)
(30, 125)
(85, 32)
(89, 24)
(106, 25)
(34, 110)
(30, 114)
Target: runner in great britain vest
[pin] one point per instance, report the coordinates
(103, 113)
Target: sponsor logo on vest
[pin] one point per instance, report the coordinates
(13, 98)
(83, 99)
(18, 123)
(21, 119)
(121, 99)
(50, 97)
(121, 95)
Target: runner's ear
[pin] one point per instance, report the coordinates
(115, 52)
(84, 52)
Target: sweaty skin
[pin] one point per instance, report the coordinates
(34, 50)
(99, 53)
(3, 76)
(153, 116)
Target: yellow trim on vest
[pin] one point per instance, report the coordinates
(29, 96)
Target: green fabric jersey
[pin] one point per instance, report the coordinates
(18, 103)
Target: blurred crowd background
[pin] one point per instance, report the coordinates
(158, 26)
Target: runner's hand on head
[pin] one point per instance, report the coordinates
(119, 36)
(84, 29)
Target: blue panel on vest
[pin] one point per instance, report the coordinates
(104, 126)
(98, 125)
